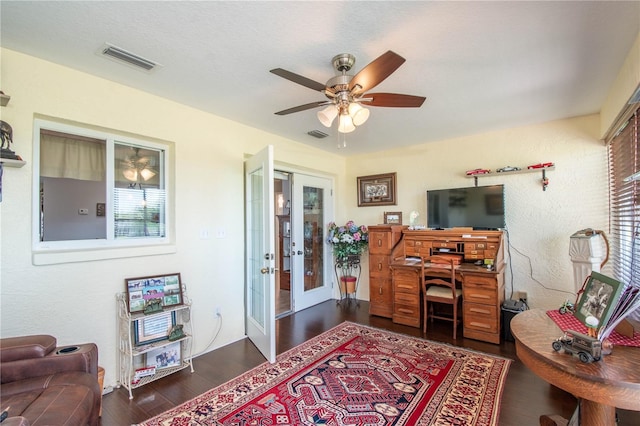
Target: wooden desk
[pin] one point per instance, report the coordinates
(482, 296)
(600, 386)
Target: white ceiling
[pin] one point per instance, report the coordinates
(482, 65)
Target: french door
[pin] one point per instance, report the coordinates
(312, 270)
(260, 249)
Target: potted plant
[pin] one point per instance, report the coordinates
(349, 242)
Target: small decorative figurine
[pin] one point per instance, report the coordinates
(176, 332)
(152, 306)
(6, 135)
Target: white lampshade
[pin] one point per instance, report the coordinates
(130, 174)
(147, 174)
(358, 114)
(346, 124)
(327, 115)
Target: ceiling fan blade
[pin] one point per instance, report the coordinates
(373, 74)
(393, 100)
(303, 107)
(296, 78)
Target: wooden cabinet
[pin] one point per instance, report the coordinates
(482, 296)
(406, 296)
(382, 240)
(284, 252)
(482, 287)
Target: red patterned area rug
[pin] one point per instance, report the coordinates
(356, 375)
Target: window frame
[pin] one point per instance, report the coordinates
(53, 252)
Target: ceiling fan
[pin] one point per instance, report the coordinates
(135, 166)
(346, 92)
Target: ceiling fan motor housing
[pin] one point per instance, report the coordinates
(343, 62)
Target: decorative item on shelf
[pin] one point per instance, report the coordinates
(349, 242)
(152, 306)
(6, 134)
(176, 332)
(393, 218)
(4, 99)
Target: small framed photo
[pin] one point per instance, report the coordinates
(100, 209)
(153, 328)
(165, 357)
(599, 299)
(377, 190)
(152, 293)
(393, 218)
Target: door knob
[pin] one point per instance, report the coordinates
(299, 252)
(264, 270)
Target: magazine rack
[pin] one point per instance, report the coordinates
(152, 346)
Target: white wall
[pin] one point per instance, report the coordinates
(76, 301)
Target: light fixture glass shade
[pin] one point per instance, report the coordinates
(147, 174)
(327, 115)
(346, 124)
(358, 114)
(130, 174)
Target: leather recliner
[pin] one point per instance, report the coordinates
(49, 385)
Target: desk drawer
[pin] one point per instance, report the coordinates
(480, 295)
(379, 265)
(379, 242)
(481, 317)
(406, 299)
(479, 281)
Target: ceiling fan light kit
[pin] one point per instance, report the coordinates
(346, 93)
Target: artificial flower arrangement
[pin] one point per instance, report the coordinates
(348, 240)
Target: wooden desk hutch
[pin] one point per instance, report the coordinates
(394, 275)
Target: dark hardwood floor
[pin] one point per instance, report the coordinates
(525, 396)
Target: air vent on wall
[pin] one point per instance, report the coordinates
(137, 61)
(317, 134)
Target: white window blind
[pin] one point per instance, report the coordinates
(624, 193)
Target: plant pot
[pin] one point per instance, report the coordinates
(350, 283)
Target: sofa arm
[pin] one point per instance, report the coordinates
(82, 358)
(26, 347)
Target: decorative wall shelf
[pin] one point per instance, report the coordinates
(545, 180)
(7, 162)
(4, 99)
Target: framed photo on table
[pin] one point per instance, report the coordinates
(599, 299)
(153, 328)
(393, 218)
(377, 190)
(159, 290)
(165, 356)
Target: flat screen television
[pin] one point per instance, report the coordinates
(478, 207)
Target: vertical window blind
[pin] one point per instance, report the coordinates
(624, 202)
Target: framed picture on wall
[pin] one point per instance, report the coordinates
(377, 190)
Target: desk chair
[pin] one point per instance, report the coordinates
(439, 286)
